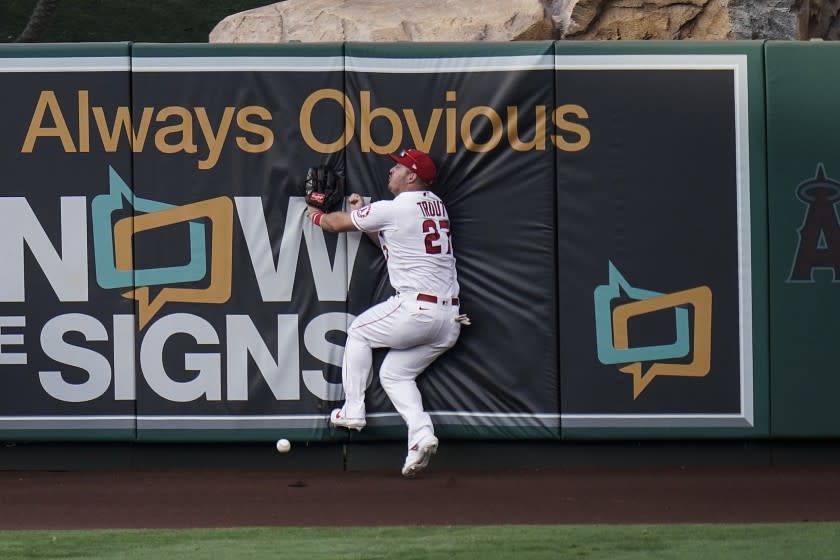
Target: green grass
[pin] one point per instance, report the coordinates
(573, 542)
(152, 21)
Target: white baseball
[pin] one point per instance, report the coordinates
(283, 445)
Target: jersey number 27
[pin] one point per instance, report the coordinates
(432, 230)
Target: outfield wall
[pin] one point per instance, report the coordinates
(160, 281)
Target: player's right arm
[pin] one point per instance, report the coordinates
(356, 202)
(341, 221)
(335, 221)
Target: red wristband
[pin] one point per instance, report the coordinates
(316, 218)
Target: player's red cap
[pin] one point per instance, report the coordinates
(419, 162)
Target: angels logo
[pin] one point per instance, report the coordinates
(819, 234)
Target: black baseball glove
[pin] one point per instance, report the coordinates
(324, 188)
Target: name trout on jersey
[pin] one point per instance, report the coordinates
(432, 208)
(436, 222)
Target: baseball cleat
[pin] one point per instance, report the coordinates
(419, 456)
(337, 418)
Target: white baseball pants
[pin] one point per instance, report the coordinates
(416, 332)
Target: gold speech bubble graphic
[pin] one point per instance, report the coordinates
(220, 213)
(701, 299)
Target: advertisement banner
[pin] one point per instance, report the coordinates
(67, 346)
(486, 115)
(243, 305)
(655, 240)
(241, 299)
(161, 280)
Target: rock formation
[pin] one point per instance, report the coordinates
(384, 20)
(517, 20)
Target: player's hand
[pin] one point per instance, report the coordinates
(356, 201)
(311, 211)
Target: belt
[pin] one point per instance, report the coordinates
(434, 299)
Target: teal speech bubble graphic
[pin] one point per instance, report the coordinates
(607, 352)
(107, 275)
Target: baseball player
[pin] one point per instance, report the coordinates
(422, 320)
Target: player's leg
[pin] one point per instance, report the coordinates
(355, 373)
(433, 332)
(371, 329)
(398, 375)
